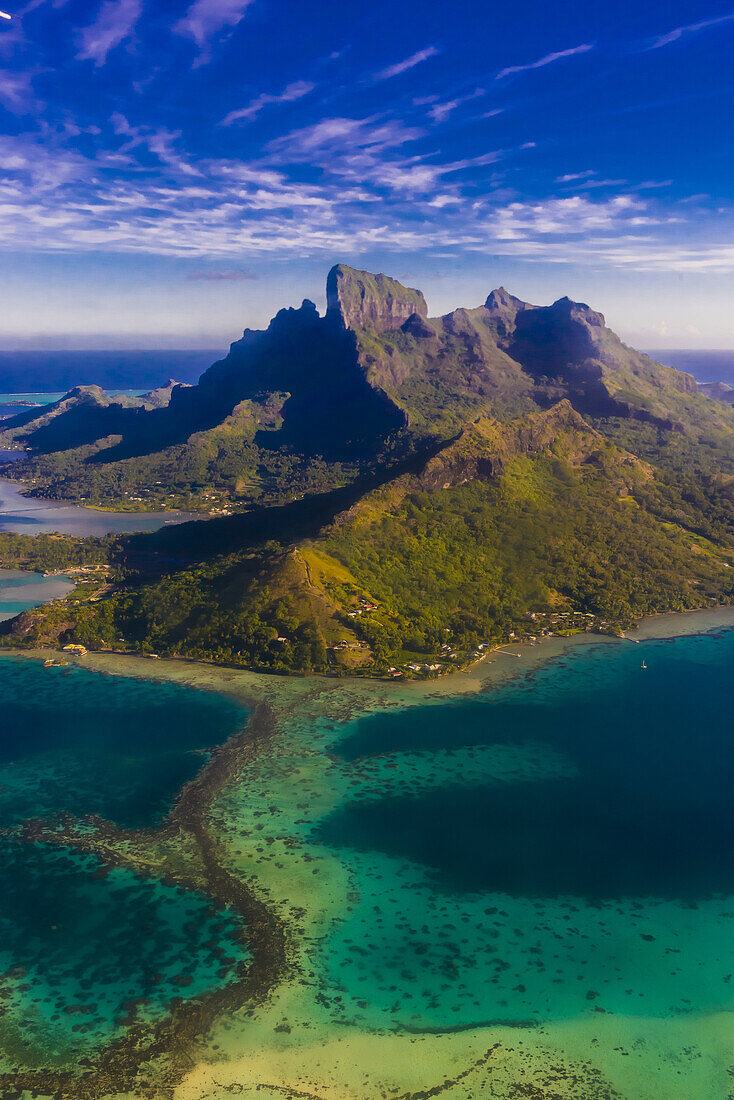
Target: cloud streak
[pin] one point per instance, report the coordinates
(115, 22)
(341, 138)
(547, 59)
(439, 112)
(229, 275)
(690, 28)
(16, 92)
(53, 200)
(409, 63)
(205, 19)
(292, 92)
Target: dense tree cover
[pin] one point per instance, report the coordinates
(51, 553)
(452, 568)
(214, 612)
(694, 484)
(214, 469)
(466, 564)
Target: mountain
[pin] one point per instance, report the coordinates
(83, 415)
(312, 402)
(405, 487)
(719, 390)
(374, 377)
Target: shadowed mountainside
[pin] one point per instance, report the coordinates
(375, 379)
(407, 488)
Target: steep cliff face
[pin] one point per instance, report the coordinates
(375, 376)
(331, 408)
(376, 303)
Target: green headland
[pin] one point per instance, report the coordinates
(400, 492)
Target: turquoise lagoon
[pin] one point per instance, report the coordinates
(86, 951)
(553, 857)
(559, 848)
(20, 590)
(84, 743)
(85, 948)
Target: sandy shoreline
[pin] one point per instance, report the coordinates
(262, 788)
(282, 693)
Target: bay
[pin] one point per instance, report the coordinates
(31, 516)
(79, 742)
(557, 847)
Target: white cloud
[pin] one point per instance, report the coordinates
(439, 112)
(114, 23)
(441, 201)
(297, 90)
(408, 63)
(565, 217)
(207, 18)
(548, 59)
(690, 28)
(345, 135)
(16, 92)
(571, 176)
(54, 199)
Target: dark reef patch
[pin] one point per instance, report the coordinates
(79, 742)
(151, 1051)
(649, 812)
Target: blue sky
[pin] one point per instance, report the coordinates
(173, 170)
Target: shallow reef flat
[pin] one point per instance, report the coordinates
(419, 883)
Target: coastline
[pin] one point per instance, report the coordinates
(276, 771)
(507, 662)
(20, 511)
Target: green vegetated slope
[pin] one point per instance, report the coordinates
(572, 524)
(541, 515)
(436, 486)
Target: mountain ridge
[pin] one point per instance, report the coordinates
(403, 487)
(374, 375)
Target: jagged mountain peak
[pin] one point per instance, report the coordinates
(578, 311)
(374, 302)
(504, 308)
(501, 298)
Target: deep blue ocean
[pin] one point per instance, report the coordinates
(705, 366)
(83, 743)
(647, 809)
(45, 371)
